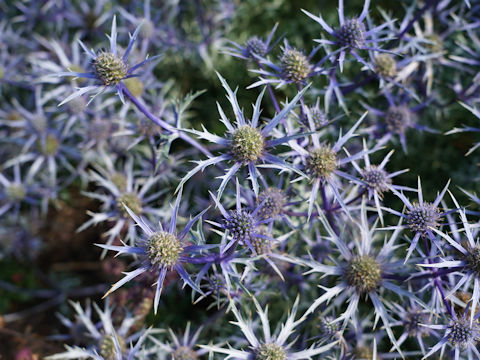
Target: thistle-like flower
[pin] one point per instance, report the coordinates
(421, 217)
(272, 202)
(352, 35)
(242, 225)
(160, 251)
(314, 114)
(430, 40)
(360, 272)
(385, 65)
(182, 346)
(323, 161)
(269, 346)
(106, 341)
(375, 180)
(411, 320)
(461, 334)
(247, 143)
(398, 118)
(108, 68)
(393, 70)
(294, 67)
(254, 48)
(122, 189)
(466, 263)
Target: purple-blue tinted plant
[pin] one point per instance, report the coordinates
(108, 68)
(159, 251)
(421, 217)
(246, 141)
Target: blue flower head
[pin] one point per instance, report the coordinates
(160, 251)
(108, 68)
(246, 141)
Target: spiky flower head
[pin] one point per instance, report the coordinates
(184, 353)
(376, 178)
(461, 333)
(319, 117)
(363, 273)
(50, 145)
(132, 201)
(109, 68)
(216, 284)
(295, 65)
(363, 353)
(321, 162)
(385, 65)
(351, 34)
(270, 351)
(240, 224)
(413, 320)
(107, 347)
(422, 217)
(472, 258)
(273, 200)
(328, 328)
(163, 249)
(255, 46)
(247, 144)
(398, 119)
(15, 192)
(261, 244)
